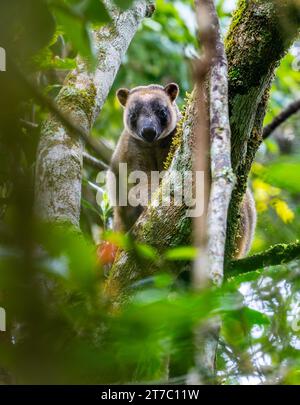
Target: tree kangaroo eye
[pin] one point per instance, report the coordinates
(133, 116)
(163, 113)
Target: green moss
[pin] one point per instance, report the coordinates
(71, 78)
(183, 236)
(73, 99)
(255, 26)
(274, 256)
(238, 14)
(177, 140)
(50, 127)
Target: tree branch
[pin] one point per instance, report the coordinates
(94, 162)
(222, 175)
(28, 124)
(59, 156)
(276, 255)
(290, 110)
(104, 150)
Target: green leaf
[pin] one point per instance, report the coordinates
(66, 243)
(76, 32)
(237, 325)
(119, 239)
(45, 60)
(230, 301)
(26, 26)
(182, 253)
(75, 17)
(95, 12)
(146, 251)
(255, 317)
(86, 204)
(89, 11)
(243, 278)
(124, 4)
(163, 280)
(284, 174)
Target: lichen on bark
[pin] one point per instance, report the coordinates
(59, 156)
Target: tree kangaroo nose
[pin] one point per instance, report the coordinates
(149, 133)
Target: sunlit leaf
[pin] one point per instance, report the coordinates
(121, 240)
(146, 251)
(181, 253)
(45, 60)
(284, 174)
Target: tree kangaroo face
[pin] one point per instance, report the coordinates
(150, 111)
(149, 119)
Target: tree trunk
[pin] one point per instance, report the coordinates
(59, 156)
(255, 45)
(256, 42)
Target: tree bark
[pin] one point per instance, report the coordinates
(59, 156)
(255, 44)
(222, 175)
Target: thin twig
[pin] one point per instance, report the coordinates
(94, 162)
(93, 186)
(105, 150)
(290, 110)
(28, 124)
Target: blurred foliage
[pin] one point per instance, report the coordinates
(61, 326)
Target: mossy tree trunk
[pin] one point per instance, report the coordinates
(256, 42)
(59, 156)
(260, 35)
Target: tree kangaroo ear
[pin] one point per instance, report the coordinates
(172, 90)
(122, 95)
